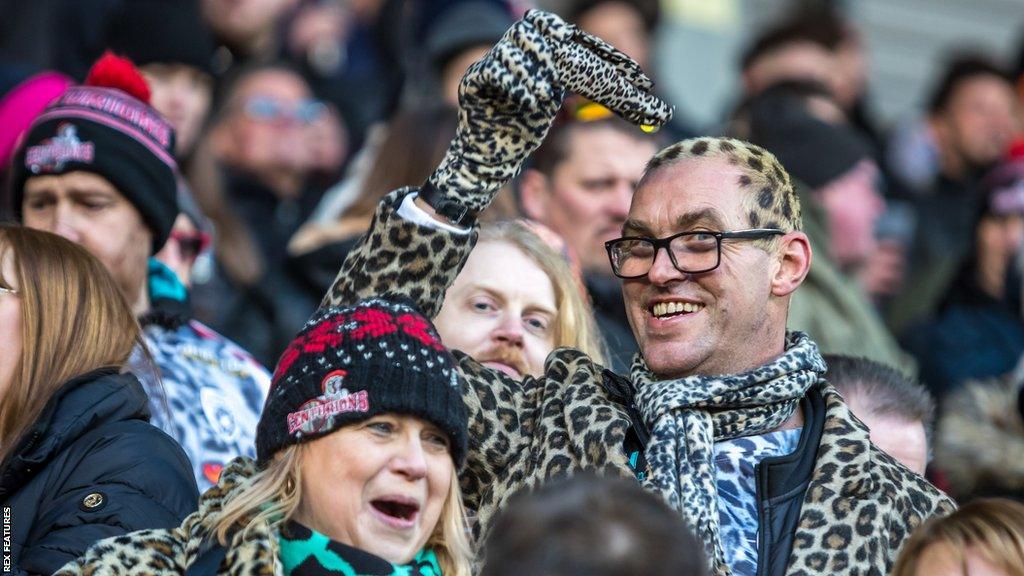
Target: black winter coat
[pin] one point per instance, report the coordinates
(92, 466)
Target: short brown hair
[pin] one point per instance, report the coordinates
(557, 145)
(769, 199)
(992, 527)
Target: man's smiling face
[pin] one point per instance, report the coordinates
(717, 322)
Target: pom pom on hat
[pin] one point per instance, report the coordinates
(113, 71)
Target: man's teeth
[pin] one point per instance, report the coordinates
(667, 308)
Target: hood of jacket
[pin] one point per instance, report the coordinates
(81, 404)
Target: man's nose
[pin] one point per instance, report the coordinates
(662, 269)
(509, 331)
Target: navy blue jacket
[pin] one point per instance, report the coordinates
(92, 466)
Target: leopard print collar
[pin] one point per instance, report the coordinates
(687, 416)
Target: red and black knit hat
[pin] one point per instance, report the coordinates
(108, 128)
(351, 364)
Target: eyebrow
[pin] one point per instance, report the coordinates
(706, 216)
(493, 292)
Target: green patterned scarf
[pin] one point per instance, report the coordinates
(305, 552)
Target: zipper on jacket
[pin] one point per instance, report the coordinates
(761, 474)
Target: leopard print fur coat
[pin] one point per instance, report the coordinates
(861, 504)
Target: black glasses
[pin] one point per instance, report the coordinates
(690, 252)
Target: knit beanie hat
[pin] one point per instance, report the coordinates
(351, 364)
(162, 32)
(813, 151)
(106, 127)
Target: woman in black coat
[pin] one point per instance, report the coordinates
(79, 460)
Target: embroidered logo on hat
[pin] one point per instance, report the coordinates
(53, 153)
(316, 414)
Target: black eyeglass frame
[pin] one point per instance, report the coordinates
(659, 243)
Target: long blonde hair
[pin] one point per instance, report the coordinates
(575, 326)
(74, 320)
(271, 497)
(990, 527)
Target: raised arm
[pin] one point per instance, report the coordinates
(507, 100)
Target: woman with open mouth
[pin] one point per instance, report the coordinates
(357, 452)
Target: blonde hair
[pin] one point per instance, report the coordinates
(271, 497)
(990, 527)
(74, 320)
(575, 326)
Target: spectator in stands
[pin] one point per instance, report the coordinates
(899, 412)
(978, 331)
(174, 49)
(358, 448)
(260, 137)
(983, 537)
(710, 256)
(591, 525)
(97, 168)
(837, 182)
(580, 183)
(515, 301)
(79, 460)
(971, 120)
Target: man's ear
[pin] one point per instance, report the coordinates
(534, 194)
(794, 262)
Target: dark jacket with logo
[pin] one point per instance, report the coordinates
(92, 466)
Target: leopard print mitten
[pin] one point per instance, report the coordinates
(508, 99)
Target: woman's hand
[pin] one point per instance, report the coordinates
(508, 99)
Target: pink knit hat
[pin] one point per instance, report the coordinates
(20, 106)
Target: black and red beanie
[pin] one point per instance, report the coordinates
(350, 364)
(106, 127)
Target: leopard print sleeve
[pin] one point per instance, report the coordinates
(401, 258)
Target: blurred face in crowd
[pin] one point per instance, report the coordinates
(586, 198)
(501, 310)
(245, 23)
(723, 321)
(87, 209)
(182, 94)
(979, 121)
(379, 485)
(940, 559)
(184, 245)
(455, 68)
(266, 130)
(10, 320)
(793, 61)
(853, 205)
(620, 25)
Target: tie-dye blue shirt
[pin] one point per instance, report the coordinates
(737, 493)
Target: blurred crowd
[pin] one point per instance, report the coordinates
(254, 141)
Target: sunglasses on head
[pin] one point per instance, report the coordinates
(264, 109)
(191, 244)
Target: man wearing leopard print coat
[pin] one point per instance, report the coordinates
(725, 414)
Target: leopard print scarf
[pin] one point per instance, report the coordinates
(688, 415)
